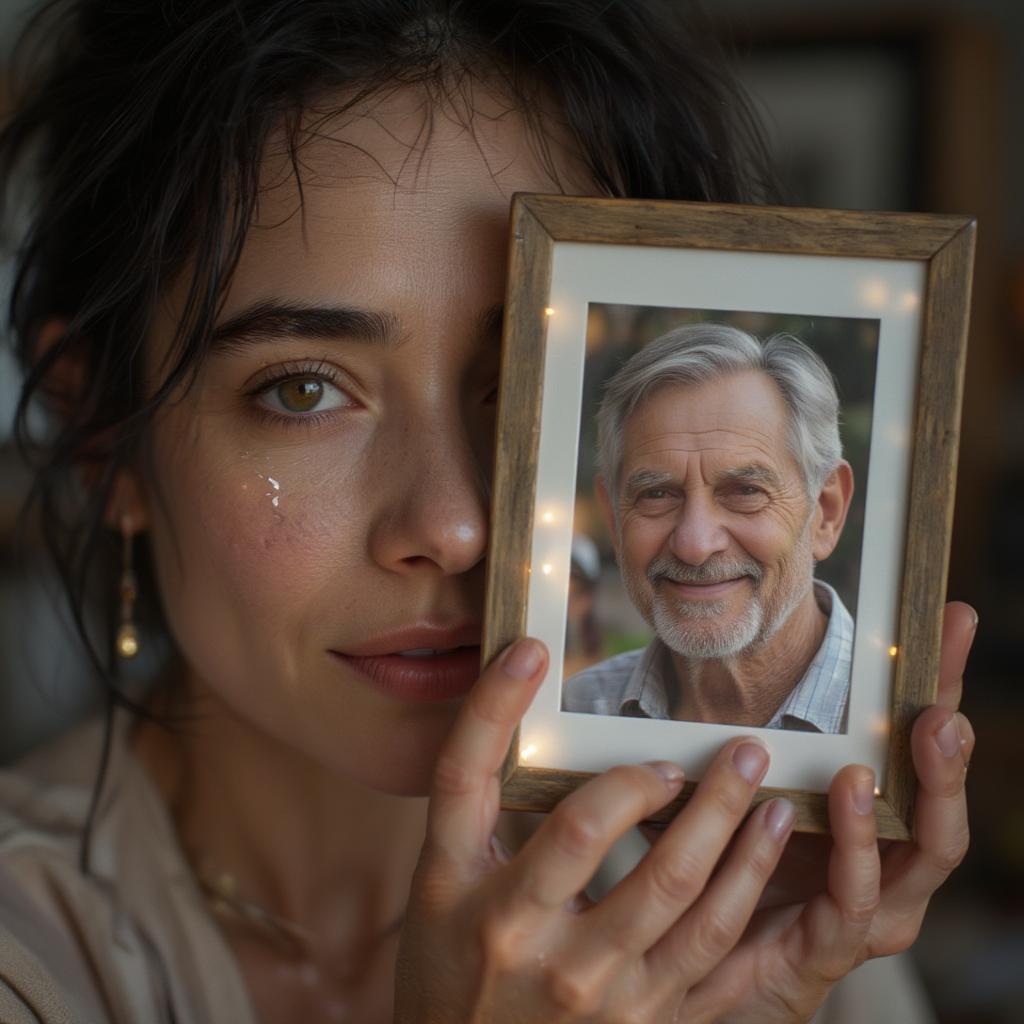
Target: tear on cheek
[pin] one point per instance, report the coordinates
(273, 491)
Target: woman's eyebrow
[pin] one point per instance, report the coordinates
(264, 321)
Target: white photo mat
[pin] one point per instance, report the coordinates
(888, 290)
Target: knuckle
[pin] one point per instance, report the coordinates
(452, 777)
(903, 937)
(490, 705)
(763, 860)
(675, 880)
(831, 972)
(629, 777)
(861, 912)
(948, 858)
(501, 943)
(951, 785)
(572, 992)
(715, 937)
(832, 967)
(434, 896)
(574, 833)
(730, 801)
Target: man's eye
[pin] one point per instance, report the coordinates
(298, 396)
(653, 494)
(746, 497)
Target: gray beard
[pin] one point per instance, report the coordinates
(691, 628)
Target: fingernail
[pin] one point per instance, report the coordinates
(750, 760)
(522, 659)
(671, 773)
(947, 739)
(780, 817)
(864, 794)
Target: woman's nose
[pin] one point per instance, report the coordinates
(436, 518)
(698, 532)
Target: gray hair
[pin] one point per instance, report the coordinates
(697, 353)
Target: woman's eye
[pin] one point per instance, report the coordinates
(297, 396)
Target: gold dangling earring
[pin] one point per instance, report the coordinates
(127, 642)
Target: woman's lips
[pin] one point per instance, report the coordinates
(426, 663)
(433, 677)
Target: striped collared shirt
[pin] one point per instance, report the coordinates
(633, 684)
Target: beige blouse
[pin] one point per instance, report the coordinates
(133, 942)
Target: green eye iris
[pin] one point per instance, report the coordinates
(301, 394)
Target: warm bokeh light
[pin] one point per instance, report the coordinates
(547, 568)
(549, 311)
(909, 301)
(893, 651)
(875, 293)
(527, 752)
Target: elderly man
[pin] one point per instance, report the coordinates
(722, 482)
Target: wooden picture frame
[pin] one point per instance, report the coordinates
(911, 273)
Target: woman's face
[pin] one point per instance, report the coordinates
(322, 501)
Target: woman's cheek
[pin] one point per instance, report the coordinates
(278, 531)
(238, 552)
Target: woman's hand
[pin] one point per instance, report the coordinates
(777, 971)
(492, 938)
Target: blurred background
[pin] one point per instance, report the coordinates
(871, 104)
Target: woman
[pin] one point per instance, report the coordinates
(261, 289)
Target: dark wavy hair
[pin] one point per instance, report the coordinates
(139, 129)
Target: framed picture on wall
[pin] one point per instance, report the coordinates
(723, 490)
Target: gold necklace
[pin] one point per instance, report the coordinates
(222, 893)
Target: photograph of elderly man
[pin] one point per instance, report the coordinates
(722, 483)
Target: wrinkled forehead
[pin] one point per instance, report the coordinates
(725, 424)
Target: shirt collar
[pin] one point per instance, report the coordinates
(817, 703)
(646, 695)
(819, 700)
